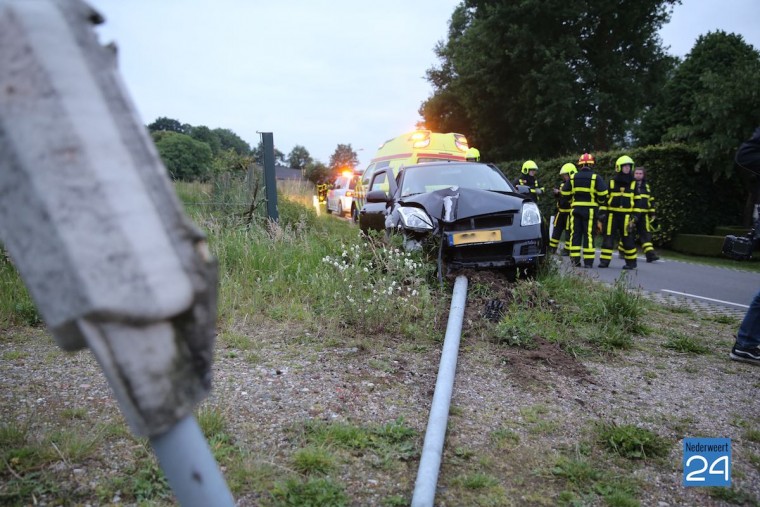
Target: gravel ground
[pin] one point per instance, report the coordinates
(548, 400)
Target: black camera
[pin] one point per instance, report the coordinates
(740, 247)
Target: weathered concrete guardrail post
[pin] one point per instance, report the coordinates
(90, 219)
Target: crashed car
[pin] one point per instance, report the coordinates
(475, 216)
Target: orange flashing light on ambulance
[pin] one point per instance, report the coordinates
(415, 147)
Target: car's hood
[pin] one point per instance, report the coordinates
(456, 203)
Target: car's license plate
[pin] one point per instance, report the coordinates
(465, 238)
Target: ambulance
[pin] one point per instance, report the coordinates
(415, 147)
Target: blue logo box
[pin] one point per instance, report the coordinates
(707, 462)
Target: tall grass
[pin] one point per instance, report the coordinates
(16, 305)
(316, 270)
(576, 312)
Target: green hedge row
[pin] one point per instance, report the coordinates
(688, 202)
(698, 244)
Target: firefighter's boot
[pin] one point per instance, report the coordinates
(652, 256)
(604, 264)
(630, 264)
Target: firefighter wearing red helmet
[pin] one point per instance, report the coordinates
(587, 192)
(587, 159)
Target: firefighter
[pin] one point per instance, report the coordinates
(563, 218)
(643, 213)
(587, 192)
(528, 178)
(618, 221)
(472, 155)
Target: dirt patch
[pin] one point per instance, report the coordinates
(531, 365)
(489, 294)
(484, 289)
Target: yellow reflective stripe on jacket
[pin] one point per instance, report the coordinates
(644, 202)
(591, 192)
(622, 199)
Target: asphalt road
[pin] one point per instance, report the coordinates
(706, 286)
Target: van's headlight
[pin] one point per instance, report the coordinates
(530, 214)
(415, 219)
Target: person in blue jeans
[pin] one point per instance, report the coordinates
(747, 346)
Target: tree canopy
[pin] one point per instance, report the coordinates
(299, 157)
(206, 135)
(184, 157)
(165, 124)
(547, 77)
(258, 154)
(712, 101)
(343, 157)
(231, 141)
(317, 172)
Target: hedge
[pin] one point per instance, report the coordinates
(698, 244)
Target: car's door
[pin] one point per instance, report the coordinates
(372, 214)
(333, 195)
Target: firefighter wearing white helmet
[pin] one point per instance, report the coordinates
(616, 223)
(472, 155)
(528, 178)
(563, 218)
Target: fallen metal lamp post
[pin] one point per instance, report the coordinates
(432, 448)
(92, 223)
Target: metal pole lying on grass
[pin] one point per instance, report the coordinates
(91, 221)
(432, 449)
(184, 454)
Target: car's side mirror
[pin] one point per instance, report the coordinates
(377, 196)
(523, 189)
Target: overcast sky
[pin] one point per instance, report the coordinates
(314, 72)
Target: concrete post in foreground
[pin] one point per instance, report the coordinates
(91, 221)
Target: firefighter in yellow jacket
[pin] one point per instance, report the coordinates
(643, 213)
(529, 179)
(617, 221)
(563, 218)
(587, 191)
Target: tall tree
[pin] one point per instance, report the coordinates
(165, 124)
(299, 157)
(258, 154)
(542, 78)
(230, 140)
(184, 157)
(343, 157)
(712, 100)
(206, 135)
(317, 172)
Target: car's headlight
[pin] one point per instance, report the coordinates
(530, 214)
(415, 219)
